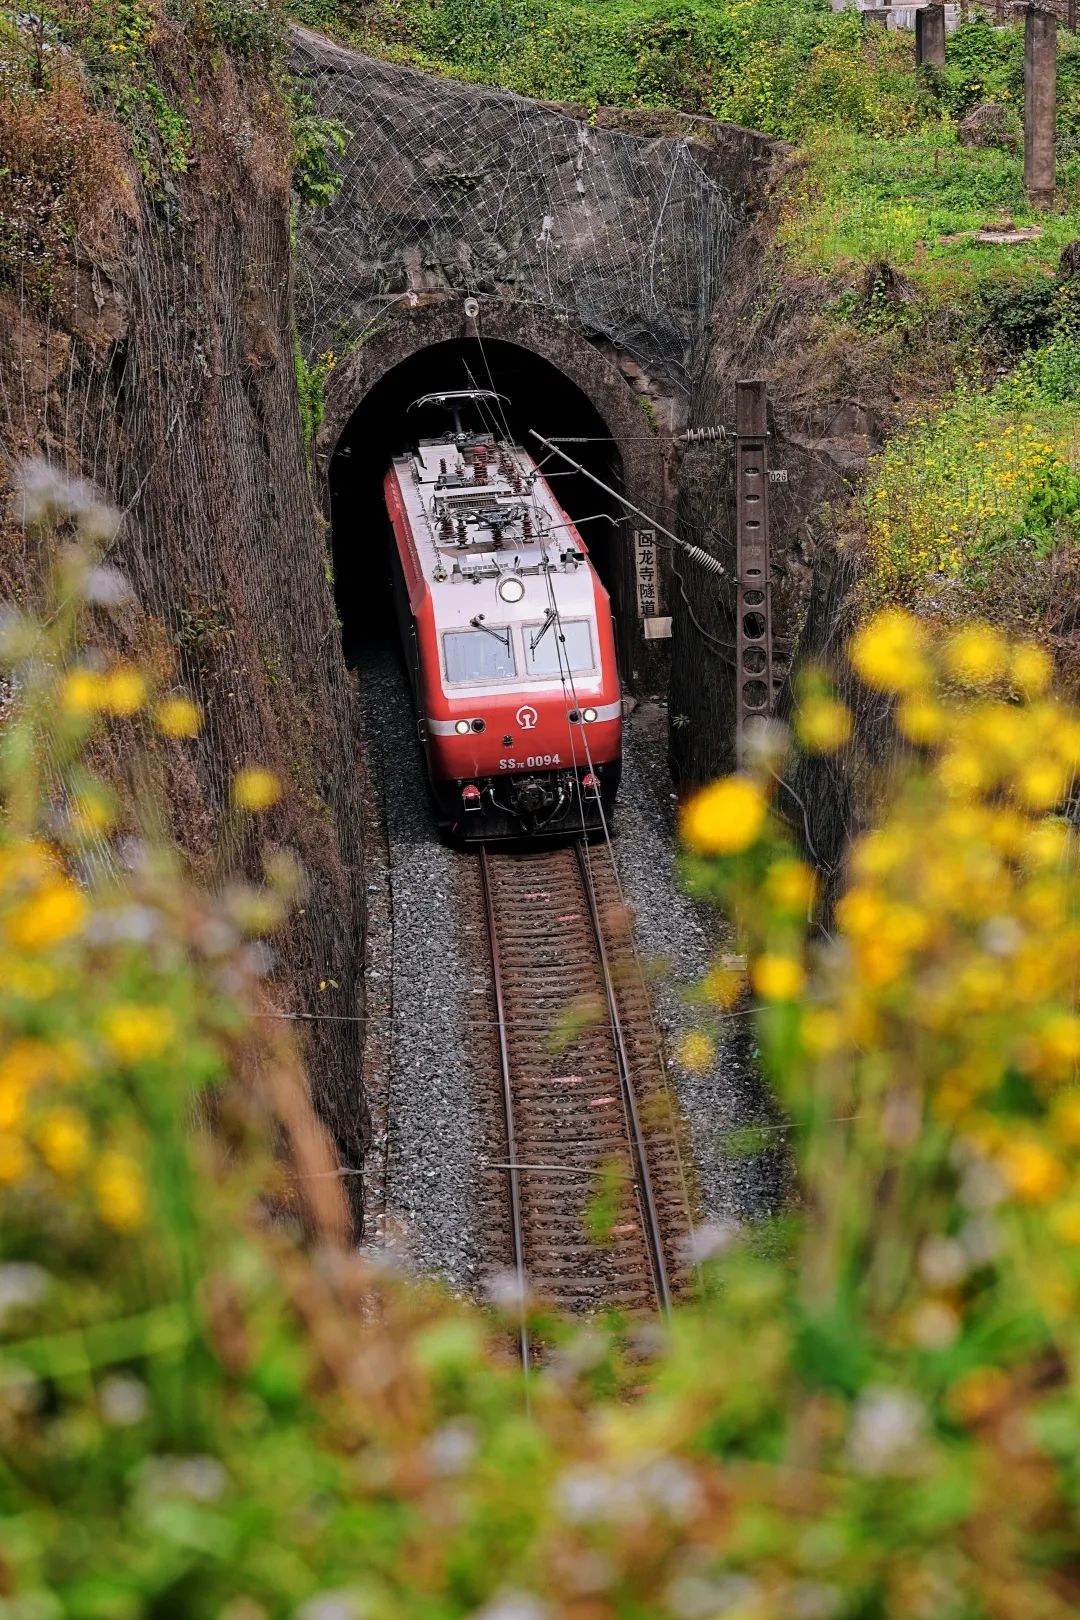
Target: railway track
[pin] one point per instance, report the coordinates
(592, 1110)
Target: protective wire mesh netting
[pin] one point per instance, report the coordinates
(449, 187)
(161, 372)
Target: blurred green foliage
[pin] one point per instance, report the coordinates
(212, 1406)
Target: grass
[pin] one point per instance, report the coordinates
(909, 199)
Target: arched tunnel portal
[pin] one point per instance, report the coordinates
(554, 381)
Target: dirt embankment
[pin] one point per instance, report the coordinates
(149, 349)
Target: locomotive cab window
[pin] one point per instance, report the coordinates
(478, 655)
(543, 647)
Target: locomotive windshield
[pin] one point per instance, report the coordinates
(478, 655)
(542, 651)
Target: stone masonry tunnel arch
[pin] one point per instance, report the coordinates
(554, 381)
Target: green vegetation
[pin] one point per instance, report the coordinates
(985, 481)
(212, 1406)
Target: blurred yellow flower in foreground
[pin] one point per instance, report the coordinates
(57, 911)
(1031, 1170)
(724, 984)
(921, 719)
(134, 1033)
(823, 724)
(725, 818)
(120, 1192)
(976, 655)
(124, 690)
(889, 652)
(255, 789)
(1031, 667)
(696, 1052)
(14, 1160)
(791, 885)
(82, 691)
(63, 1141)
(777, 978)
(178, 717)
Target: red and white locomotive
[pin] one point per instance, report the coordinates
(508, 638)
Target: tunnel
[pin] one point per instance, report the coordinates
(536, 395)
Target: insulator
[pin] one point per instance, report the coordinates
(446, 527)
(703, 435)
(711, 564)
(526, 526)
(442, 466)
(461, 530)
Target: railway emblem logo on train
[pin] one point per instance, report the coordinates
(508, 635)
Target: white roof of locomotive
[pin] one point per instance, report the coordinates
(511, 498)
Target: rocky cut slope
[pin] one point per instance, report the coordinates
(146, 346)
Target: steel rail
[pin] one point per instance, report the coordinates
(513, 1182)
(643, 1180)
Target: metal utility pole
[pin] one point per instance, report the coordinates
(753, 638)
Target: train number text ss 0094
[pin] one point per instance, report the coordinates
(508, 636)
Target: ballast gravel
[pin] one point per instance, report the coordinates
(425, 1179)
(736, 1138)
(432, 1126)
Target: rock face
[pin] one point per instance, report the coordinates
(168, 381)
(456, 189)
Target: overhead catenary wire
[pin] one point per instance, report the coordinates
(703, 558)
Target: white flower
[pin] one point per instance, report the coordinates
(709, 1241)
(513, 1605)
(123, 1401)
(22, 1284)
(331, 1606)
(886, 1428)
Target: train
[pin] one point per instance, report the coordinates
(507, 632)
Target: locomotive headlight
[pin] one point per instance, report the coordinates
(463, 727)
(588, 714)
(511, 589)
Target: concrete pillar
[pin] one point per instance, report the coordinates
(930, 36)
(1040, 106)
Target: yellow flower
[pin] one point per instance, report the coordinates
(920, 719)
(82, 691)
(255, 789)
(1031, 668)
(53, 914)
(63, 1141)
(889, 652)
(725, 818)
(1059, 1044)
(34, 981)
(978, 1392)
(120, 1192)
(976, 655)
(1065, 1119)
(777, 978)
(791, 885)
(823, 724)
(124, 690)
(178, 717)
(1045, 845)
(822, 1031)
(1031, 1170)
(134, 1033)
(1065, 1222)
(724, 985)
(1041, 783)
(696, 1052)
(14, 1160)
